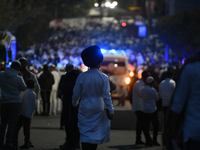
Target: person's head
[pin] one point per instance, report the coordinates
(149, 81)
(24, 63)
(92, 56)
(69, 67)
(16, 65)
(40, 69)
(169, 74)
(52, 67)
(145, 75)
(30, 83)
(45, 67)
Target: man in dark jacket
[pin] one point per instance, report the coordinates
(46, 81)
(11, 85)
(70, 113)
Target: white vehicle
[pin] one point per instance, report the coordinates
(116, 62)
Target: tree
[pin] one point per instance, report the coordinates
(181, 30)
(29, 19)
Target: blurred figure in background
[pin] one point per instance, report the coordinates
(26, 74)
(46, 81)
(39, 98)
(150, 114)
(122, 94)
(137, 105)
(166, 89)
(53, 97)
(70, 113)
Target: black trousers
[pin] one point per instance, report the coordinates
(88, 146)
(72, 132)
(191, 145)
(139, 115)
(9, 116)
(165, 112)
(46, 101)
(153, 118)
(24, 122)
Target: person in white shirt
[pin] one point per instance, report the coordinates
(53, 97)
(39, 98)
(137, 105)
(28, 106)
(150, 96)
(166, 89)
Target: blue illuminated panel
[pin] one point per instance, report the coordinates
(142, 31)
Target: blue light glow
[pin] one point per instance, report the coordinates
(142, 31)
(113, 51)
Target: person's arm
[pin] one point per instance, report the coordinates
(22, 84)
(36, 84)
(160, 92)
(107, 98)
(156, 97)
(76, 92)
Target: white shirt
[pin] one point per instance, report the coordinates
(93, 88)
(166, 89)
(188, 89)
(137, 101)
(56, 76)
(28, 103)
(149, 96)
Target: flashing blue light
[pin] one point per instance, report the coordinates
(113, 51)
(142, 31)
(59, 65)
(103, 51)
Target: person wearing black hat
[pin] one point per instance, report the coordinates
(11, 85)
(92, 94)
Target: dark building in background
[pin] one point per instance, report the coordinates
(178, 5)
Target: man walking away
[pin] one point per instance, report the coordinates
(46, 82)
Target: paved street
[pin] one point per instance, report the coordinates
(46, 135)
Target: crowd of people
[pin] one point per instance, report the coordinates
(79, 100)
(84, 97)
(65, 45)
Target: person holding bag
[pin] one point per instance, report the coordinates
(95, 107)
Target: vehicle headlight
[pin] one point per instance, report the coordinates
(127, 80)
(131, 74)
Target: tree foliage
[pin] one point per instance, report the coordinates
(29, 19)
(181, 30)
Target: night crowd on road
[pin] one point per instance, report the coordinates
(84, 99)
